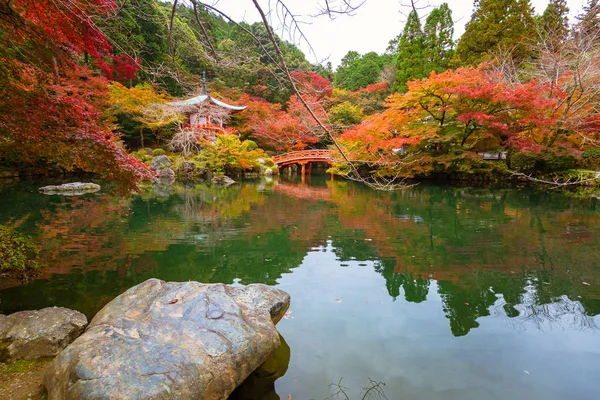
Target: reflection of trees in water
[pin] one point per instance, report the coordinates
(485, 249)
(559, 312)
(415, 288)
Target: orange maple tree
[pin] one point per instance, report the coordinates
(454, 114)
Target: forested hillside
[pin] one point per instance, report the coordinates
(84, 83)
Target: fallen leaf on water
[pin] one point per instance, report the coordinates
(289, 397)
(338, 300)
(466, 303)
(546, 283)
(287, 314)
(173, 301)
(527, 372)
(585, 283)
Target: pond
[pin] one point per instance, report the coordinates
(436, 291)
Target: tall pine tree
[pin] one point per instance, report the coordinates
(588, 22)
(554, 25)
(496, 25)
(439, 45)
(411, 59)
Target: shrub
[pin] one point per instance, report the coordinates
(545, 162)
(522, 161)
(158, 152)
(251, 145)
(18, 253)
(590, 159)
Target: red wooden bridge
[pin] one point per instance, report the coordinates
(303, 157)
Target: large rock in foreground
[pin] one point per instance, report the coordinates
(30, 335)
(71, 189)
(171, 340)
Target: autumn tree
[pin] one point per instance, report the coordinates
(51, 108)
(292, 129)
(441, 122)
(137, 110)
(496, 25)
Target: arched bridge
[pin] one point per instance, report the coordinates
(303, 157)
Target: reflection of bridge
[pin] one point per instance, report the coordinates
(304, 157)
(304, 192)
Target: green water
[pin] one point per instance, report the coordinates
(438, 292)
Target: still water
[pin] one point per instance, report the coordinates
(438, 292)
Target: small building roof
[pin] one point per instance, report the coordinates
(194, 101)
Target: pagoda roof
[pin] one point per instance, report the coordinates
(194, 101)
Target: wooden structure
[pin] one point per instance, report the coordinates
(304, 158)
(205, 113)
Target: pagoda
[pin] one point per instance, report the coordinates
(205, 113)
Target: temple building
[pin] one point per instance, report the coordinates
(205, 113)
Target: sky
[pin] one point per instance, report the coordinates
(370, 28)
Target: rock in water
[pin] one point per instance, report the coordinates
(171, 340)
(30, 335)
(71, 189)
(222, 180)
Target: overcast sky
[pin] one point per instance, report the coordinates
(369, 29)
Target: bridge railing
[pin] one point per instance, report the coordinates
(300, 155)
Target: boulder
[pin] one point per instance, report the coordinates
(171, 340)
(30, 335)
(222, 180)
(186, 168)
(163, 186)
(167, 173)
(71, 189)
(160, 162)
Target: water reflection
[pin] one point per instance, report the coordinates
(470, 257)
(522, 249)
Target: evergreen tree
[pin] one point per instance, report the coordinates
(356, 71)
(411, 59)
(494, 25)
(554, 24)
(439, 28)
(588, 22)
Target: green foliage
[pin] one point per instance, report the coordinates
(18, 253)
(411, 61)
(496, 25)
(158, 152)
(439, 45)
(590, 159)
(554, 24)
(231, 155)
(358, 71)
(522, 161)
(346, 114)
(251, 144)
(543, 162)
